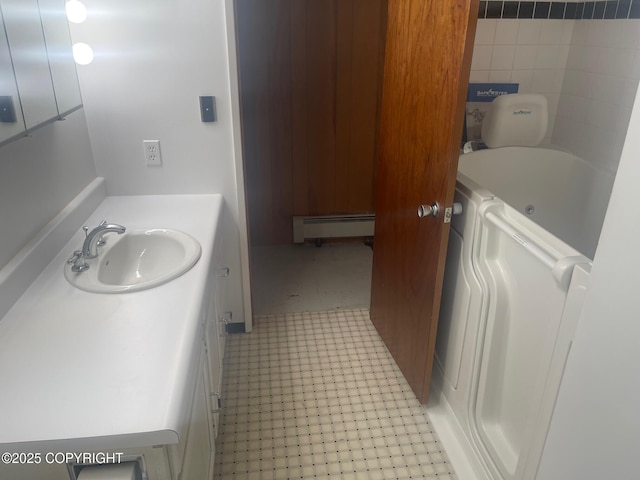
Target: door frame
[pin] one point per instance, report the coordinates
(238, 157)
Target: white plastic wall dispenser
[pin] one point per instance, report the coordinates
(517, 119)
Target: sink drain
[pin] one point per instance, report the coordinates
(529, 209)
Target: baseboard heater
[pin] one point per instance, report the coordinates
(332, 226)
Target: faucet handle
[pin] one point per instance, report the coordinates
(76, 255)
(101, 241)
(86, 231)
(78, 263)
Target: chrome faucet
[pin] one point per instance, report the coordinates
(94, 237)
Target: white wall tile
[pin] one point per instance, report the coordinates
(619, 61)
(479, 76)
(579, 34)
(635, 65)
(566, 133)
(622, 120)
(502, 58)
(524, 78)
(575, 57)
(601, 114)
(575, 84)
(628, 32)
(529, 32)
(592, 61)
(567, 31)
(525, 57)
(588, 85)
(506, 32)
(571, 106)
(553, 99)
(562, 55)
(629, 91)
(500, 76)
(598, 34)
(552, 104)
(482, 57)
(609, 88)
(547, 81)
(547, 57)
(552, 32)
(485, 32)
(611, 32)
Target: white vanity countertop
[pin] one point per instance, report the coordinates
(84, 371)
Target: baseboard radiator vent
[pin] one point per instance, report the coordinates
(332, 226)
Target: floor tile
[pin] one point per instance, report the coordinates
(317, 395)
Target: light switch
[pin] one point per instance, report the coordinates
(208, 109)
(7, 111)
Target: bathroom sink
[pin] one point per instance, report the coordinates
(137, 260)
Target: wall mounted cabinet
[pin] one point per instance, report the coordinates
(61, 64)
(36, 52)
(11, 119)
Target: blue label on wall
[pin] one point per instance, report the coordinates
(486, 92)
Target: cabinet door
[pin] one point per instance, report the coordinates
(9, 100)
(199, 450)
(61, 63)
(214, 362)
(30, 61)
(215, 330)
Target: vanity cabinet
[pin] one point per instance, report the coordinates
(199, 454)
(154, 357)
(38, 75)
(193, 458)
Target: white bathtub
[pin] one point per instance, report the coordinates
(512, 296)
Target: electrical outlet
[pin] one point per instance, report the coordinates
(152, 157)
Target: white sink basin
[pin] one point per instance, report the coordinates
(137, 260)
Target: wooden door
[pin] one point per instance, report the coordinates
(310, 79)
(427, 63)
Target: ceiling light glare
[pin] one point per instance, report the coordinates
(82, 54)
(76, 11)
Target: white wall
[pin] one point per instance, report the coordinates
(595, 430)
(153, 59)
(39, 175)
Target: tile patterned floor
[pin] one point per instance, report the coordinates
(317, 395)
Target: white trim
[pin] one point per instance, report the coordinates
(239, 165)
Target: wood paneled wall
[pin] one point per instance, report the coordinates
(310, 80)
